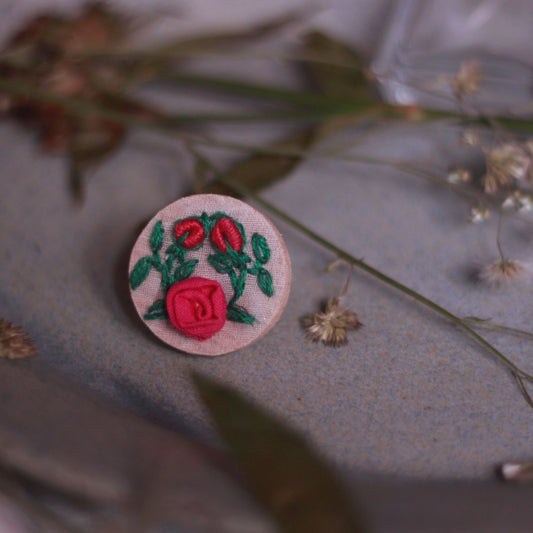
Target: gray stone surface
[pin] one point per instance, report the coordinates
(409, 398)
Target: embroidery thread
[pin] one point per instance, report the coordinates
(187, 299)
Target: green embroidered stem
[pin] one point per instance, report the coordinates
(173, 269)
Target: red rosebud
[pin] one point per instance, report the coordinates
(197, 307)
(226, 230)
(195, 230)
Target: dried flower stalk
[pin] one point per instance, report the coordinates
(14, 342)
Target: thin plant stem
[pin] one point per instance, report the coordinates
(487, 324)
(498, 243)
(517, 373)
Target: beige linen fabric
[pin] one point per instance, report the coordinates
(266, 310)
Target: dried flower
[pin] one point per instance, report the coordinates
(468, 79)
(458, 175)
(518, 472)
(470, 138)
(14, 342)
(331, 325)
(505, 163)
(519, 201)
(478, 214)
(505, 271)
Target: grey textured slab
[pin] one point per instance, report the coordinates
(409, 397)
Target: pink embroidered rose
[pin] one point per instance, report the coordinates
(197, 307)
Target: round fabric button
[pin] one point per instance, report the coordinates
(209, 274)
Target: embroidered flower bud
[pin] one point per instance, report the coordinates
(189, 233)
(226, 231)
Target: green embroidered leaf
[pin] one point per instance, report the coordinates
(285, 474)
(156, 263)
(159, 305)
(156, 315)
(157, 310)
(140, 272)
(260, 248)
(172, 250)
(264, 280)
(221, 263)
(238, 259)
(238, 314)
(156, 240)
(185, 270)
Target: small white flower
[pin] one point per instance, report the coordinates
(478, 214)
(519, 201)
(458, 176)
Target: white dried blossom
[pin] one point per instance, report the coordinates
(458, 176)
(504, 271)
(470, 138)
(519, 201)
(468, 79)
(478, 214)
(505, 163)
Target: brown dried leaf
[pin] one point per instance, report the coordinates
(14, 342)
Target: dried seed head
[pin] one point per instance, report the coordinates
(505, 271)
(14, 342)
(505, 164)
(458, 175)
(468, 79)
(478, 214)
(331, 325)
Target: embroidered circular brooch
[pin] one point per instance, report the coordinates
(209, 274)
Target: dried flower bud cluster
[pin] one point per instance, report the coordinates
(470, 138)
(331, 325)
(468, 79)
(459, 176)
(506, 163)
(14, 342)
(478, 214)
(518, 201)
(49, 53)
